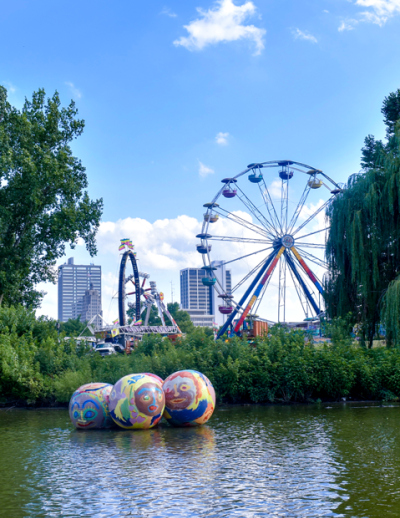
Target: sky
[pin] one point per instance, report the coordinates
(179, 95)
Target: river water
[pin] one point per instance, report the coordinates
(251, 461)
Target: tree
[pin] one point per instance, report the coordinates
(154, 319)
(43, 199)
(374, 151)
(182, 318)
(73, 327)
(363, 248)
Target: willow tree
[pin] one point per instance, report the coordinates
(44, 202)
(363, 248)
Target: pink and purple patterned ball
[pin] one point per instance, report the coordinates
(88, 407)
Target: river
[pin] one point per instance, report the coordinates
(248, 461)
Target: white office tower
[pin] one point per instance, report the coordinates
(195, 297)
(224, 280)
(73, 282)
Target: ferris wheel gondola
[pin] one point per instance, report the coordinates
(281, 234)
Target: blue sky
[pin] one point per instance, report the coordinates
(178, 95)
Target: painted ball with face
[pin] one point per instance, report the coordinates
(137, 401)
(160, 380)
(88, 407)
(189, 398)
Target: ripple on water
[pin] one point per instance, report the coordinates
(247, 462)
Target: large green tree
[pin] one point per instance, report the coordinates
(44, 203)
(363, 248)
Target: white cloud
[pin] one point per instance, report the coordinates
(167, 12)
(11, 89)
(298, 34)
(222, 138)
(204, 170)
(379, 12)
(75, 91)
(347, 25)
(382, 10)
(325, 11)
(222, 23)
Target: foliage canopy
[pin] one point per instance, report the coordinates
(363, 247)
(43, 199)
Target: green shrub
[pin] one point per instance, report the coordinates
(37, 365)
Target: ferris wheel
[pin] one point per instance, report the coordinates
(268, 220)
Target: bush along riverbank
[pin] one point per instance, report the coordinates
(38, 367)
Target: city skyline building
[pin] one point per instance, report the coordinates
(195, 297)
(91, 307)
(73, 282)
(201, 302)
(224, 280)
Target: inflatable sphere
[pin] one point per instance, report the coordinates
(137, 401)
(160, 380)
(189, 398)
(88, 407)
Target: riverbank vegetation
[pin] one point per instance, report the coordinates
(40, 367)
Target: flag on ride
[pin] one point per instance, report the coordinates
(124, 243)
(114, 332)
(116, 322)
(138, 322)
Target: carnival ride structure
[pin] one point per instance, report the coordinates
(143, 299)
(278, 228)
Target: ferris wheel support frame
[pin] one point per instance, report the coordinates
(246, 294)
(303, 285)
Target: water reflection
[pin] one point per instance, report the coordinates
(247, 462)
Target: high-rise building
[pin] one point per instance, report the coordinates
(194, 295)
(224, 280)
(91, 307)
(73, 281)
(201, 302)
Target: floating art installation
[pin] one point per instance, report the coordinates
(137, 401)
(189, 398)
(88, 407)
(160, 380)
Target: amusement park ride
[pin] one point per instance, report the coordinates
(274, 230)
(122, 333)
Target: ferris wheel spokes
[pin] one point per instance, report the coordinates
(312, 233)
(299, 207)
(238, 239)
(310, 218)
(240, 221)
(307, 270)
(306, 291)
(244, 256)
(257, 292)
(269, 203)
(239, 306)
(282, 291)
(247, 276)
(257, 213)
(310, 245)
(312, 258)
